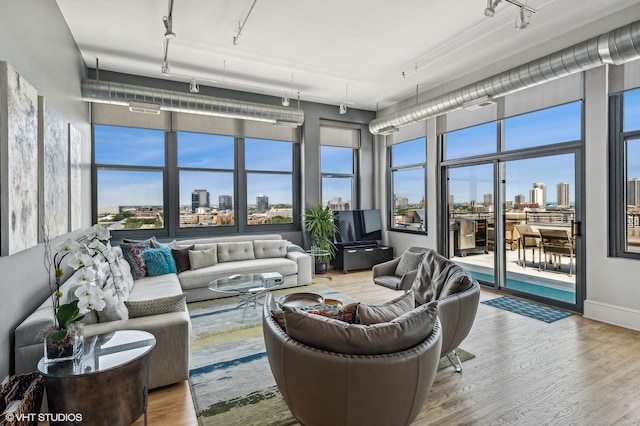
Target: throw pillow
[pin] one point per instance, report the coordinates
(332, 335)
(159, 261)
(132, 253)
(162, 305)
(346, 313)
(269, 248)
(231, 252)
(181, 256)
(202, 258)
(149, 241)
(157, 244)
(409, 261)
(374, 314)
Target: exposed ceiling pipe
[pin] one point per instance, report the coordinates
(113, 93)
(614, 47)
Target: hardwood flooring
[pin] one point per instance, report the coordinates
(526, 372)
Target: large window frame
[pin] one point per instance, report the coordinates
(619, 139)
(171, 188)
(394, 169)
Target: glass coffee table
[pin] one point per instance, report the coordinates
(248, 287)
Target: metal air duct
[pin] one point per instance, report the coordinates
(107, 92)
(614, 47)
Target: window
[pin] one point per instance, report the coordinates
(269, 177)
(408, 183)
(476, 140)
(625, 135)
(336, 168)
(129, 177)
(206, 165)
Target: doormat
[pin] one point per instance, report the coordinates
(528, 309)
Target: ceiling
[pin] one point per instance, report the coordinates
(328, 51)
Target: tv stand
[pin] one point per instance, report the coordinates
(360, 255)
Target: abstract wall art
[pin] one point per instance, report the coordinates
(75, 178)
(18, 162)
(53, 173)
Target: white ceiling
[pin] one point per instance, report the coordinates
(333, 50)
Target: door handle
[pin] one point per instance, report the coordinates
(576, 228)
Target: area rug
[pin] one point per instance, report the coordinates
(230, 379)
(528, 309)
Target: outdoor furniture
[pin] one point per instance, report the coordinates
(557, 243)
(527, 238)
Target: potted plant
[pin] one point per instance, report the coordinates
(319, 224)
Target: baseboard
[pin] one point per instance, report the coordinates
(612, 314)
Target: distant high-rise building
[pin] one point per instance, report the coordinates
(563, 194)
(336, 204)
(225, 202)
(199, 198)
(262, 203)
(450, 199)
(508, 205)
(402, 201)
(520, 199)
(633, 192)
(488, 199)
(543, 188)
(536, 196)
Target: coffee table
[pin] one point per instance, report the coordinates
(107, 385)
(248, 288)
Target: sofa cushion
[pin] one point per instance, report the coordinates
(269, 248)
(329, 334)
(159, 261)
(199, 259)
(346, 313)
(162, 305)
(132, 253)
(232, 252)
(181, 257)
(374, 314)
(409, 261)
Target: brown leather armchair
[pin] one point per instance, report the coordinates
(458, 296)
(327, 388)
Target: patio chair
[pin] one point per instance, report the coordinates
(557, 243)
(526, 239)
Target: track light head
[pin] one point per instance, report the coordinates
(285, 100)
(522, 20)
(343, 108)
(165, 70)
(490, 10)
(167, 21)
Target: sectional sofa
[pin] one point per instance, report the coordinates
(157, 303)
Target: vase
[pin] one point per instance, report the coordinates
(60, 346)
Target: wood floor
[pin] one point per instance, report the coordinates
(526, 372)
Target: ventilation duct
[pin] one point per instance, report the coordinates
(615, 47)
(107, 92)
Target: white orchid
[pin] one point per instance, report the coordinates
(90, 297)
(98, 232)
(67, 246)
(79, 260)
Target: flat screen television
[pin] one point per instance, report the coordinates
(371, 228)
(345, 222)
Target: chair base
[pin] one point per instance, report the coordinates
(456, 364)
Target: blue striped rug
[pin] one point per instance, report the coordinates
(528, 309)
(231, 382)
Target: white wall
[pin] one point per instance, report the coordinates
(36, 41)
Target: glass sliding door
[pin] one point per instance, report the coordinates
(540, 217)
(471, 221)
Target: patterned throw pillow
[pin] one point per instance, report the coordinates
(132, 253)
(345, 313)
(163, 305)
(159, 261)
(409, 261)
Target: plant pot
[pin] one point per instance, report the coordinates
(321, 268)
(60, 346)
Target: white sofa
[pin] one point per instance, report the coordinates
(169, 362)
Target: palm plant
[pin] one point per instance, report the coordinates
(318, 222)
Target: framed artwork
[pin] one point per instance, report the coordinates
(18, 162)
(75, 178)
(53, 170)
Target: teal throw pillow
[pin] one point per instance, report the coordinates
(159, 261)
